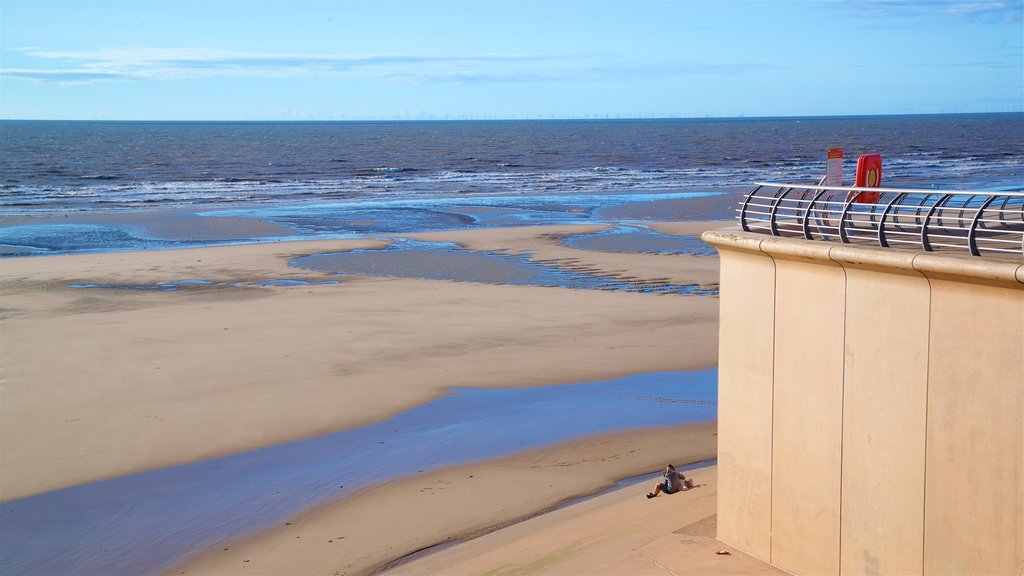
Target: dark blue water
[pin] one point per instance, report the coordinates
(145, 523)
(345, 178)
(96, 165)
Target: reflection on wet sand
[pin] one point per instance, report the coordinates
(407, 258)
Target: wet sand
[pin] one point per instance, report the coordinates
(145, 522)
(168, 224)
(143, 229)
(360, 535)
(411, 258)
(100, 383)
(545, 244)
(123, 229)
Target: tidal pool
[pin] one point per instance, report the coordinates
(165, 287)
(407, 258)
(639, 240)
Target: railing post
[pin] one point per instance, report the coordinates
(1003, 209)
(842, 217)
(925, 243)
(972, 238)
(807, 215)
(772, 224)
(963, 210)
(881, 224)
(743, 209)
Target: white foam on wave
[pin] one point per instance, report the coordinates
(908, 169)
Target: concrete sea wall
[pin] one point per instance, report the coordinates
(871, 408)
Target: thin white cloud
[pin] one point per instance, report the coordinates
(142, 56)
(177, 63)
(1011, 11)
(975, 64)
(139, 62)
(983, 11)
(63, 76)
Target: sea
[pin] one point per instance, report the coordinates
(82, 186)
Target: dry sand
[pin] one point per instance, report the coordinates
(103, 382)
(616, 533)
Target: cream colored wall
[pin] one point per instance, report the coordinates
(974, 505)
(745, 410)
(807, 432)
(896, 395)
(885, 395)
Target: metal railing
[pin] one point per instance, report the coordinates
(975, 221)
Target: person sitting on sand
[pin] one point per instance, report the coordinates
(673, 482)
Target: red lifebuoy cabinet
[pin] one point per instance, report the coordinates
(869, 175)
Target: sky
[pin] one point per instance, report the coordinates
(208, 60)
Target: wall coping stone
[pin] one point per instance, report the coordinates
(936, 265)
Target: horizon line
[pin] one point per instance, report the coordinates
(595, 118)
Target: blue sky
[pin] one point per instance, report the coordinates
(151, 60)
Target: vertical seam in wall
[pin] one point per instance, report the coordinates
(927, 388)
(771, 450)
(842, 416)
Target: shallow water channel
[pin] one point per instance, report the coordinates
(145, 523)
(407, 258)
(639, 240)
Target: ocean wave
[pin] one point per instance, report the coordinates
(386, 170)
(909, 170)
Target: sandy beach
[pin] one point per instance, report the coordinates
(359, 535)
(608, 534)
(415, 288)
(105, 382)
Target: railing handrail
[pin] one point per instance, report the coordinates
(974, 221)
(895, 190)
